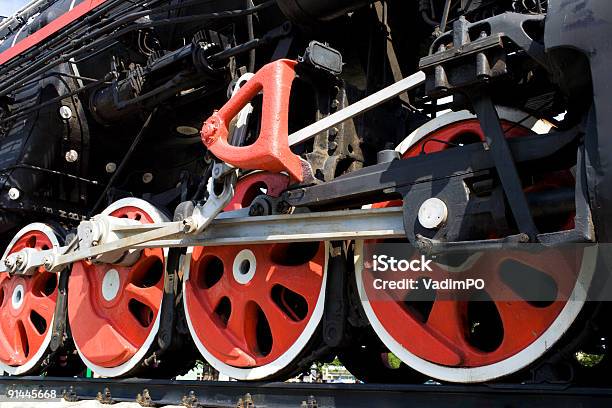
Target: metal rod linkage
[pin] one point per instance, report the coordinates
(357, 108)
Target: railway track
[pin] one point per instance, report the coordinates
(306, 395)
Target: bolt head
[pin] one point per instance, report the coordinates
(72, 156)
(210, 130)
(111, 167)
(48, 262)
(189, 225)
(147, 178)
(65, 112)
(14, 193)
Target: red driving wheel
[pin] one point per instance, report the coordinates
(27, 306)
(502, 329)
(252, 309)
(114, 310)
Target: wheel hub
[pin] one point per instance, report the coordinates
(244, 267)
(110, 284)
(18, 296)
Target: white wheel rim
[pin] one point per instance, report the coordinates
(17, 298)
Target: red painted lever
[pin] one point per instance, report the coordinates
(271, 149)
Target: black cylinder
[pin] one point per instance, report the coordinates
(313, 11)
(105, 103)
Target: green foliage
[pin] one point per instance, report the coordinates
(588, 360)
(336, 362)
(394, 361)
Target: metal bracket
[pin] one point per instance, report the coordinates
(246, 402)
(504, 162)
(144, 399)
(271, 150)
(335, 304)
(70, 395)
(190, 400)
(166, 327)
(204, 214)
(61, 310)
(105, 397)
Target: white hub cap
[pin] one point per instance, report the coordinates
(433, 213)
(18, 295)
(244, 267)
(110, 284)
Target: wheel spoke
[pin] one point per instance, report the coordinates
(126, 324)
(20, 341)
(303, 281)
(447, 318)
(214, 294)
(145, 296)
(35, 338)
(44, 305)
(241, 328)
(514, 315)
(237, 323)
(7, 345)
(284, 330)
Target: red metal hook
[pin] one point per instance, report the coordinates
(271, 149)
